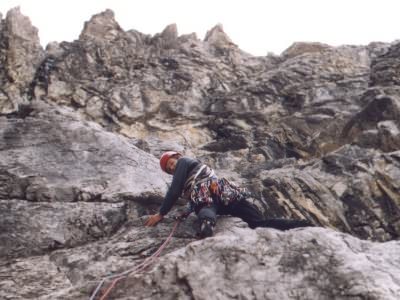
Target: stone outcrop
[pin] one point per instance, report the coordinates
(20, 56)
(351, 189)
(314, 133)
(54, 157)
(267, 264)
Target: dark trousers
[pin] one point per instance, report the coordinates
(250, 214)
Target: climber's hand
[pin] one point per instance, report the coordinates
(153, 220)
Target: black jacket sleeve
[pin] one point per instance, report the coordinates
(183, 168)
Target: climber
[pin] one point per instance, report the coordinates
(209, 196)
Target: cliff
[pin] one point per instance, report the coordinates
(314, 133)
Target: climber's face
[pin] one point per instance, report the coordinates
(171, 165)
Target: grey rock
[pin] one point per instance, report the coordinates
(55, 156)
(383, 108)
(313, 133)
(101, 27)
(168, 38)
(321, 264)
(217, 38)
(54, 226)
(20, 56)
(78, 270)
(302, 48)
(21, 278)
(385, 67)
(348, 189)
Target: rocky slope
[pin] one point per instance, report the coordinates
(314, 133)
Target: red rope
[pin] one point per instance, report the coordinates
(136, 269)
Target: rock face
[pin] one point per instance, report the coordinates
(313, 133)
(256, 265)
(20, 56)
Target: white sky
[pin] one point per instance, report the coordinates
(256, 26)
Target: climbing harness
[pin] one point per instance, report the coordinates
(147, 262)
(225, 191)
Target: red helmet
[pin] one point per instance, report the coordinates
(165, 157)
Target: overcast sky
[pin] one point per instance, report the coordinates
(256, 26)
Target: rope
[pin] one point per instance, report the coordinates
(148, 261)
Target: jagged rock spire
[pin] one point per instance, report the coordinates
(102, 26)
(167, 39)
(20, 26)
(170, 32)
(20, 55)
(217, 37)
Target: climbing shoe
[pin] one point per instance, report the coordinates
(206, 228)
